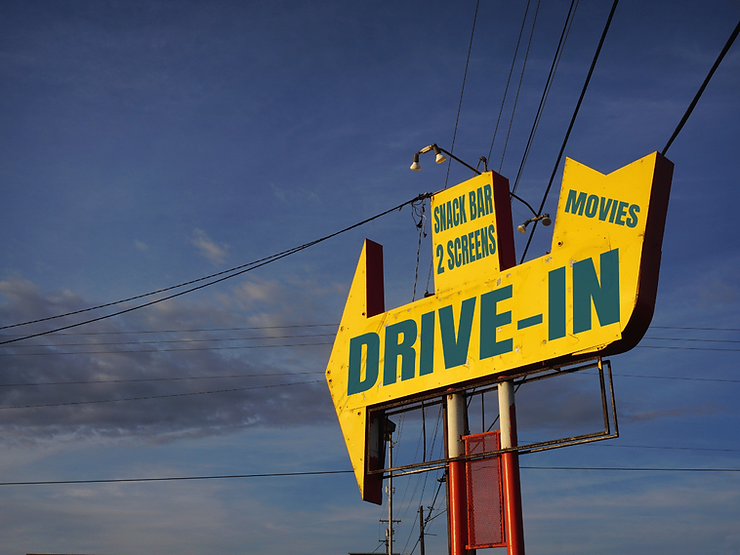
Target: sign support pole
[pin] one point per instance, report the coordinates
(510, 468)
(457, 506)
(389, 439)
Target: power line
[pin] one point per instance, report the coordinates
(693, 329)
(692, 339)
(176, 478)
(100, 401)
(692, 379)
(329, 472)
(548, 86)
(333, 325)
(668, 448)
(686, 348)
(631, 469)
(239, 270)
(133, 351)
(175, 378)
(462, 91)
(572, 122)
(315, 344)
(519, 86)
(690, 109)
(186, 340)
(196, 330)
(508, 79)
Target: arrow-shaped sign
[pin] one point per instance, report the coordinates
(592, 294)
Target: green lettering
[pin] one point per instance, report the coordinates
(440, 255)
(604, 208)
(371, 343)
(556, 303)
(634, 209)
(605, 295)
(403, 349)
(575, 205)
(426, 350)
(491, 320)
(488, 199)
(455, 346)
(592, 204)
(613, 212)
(621, 213)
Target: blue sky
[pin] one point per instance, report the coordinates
(147, 144)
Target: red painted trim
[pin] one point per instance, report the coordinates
(374, 278)
(512, 494)
(458, 508)
(504, 222)
(647, 288)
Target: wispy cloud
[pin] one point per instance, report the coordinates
(208, 248)
(209, 372)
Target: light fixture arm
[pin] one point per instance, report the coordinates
(524, 202)
(438, 150)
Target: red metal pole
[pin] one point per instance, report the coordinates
(510, 469)
(457, 505)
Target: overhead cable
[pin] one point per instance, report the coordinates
(172, 379)
(100, 401)
(519, 86)
(238, 270)
(132, 351)
(176, 478)
(572, 121)
(690, 109)
(326, 472)
(508, 79)
(546, 92)
(462, 91)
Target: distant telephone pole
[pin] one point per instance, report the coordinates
(389, 533)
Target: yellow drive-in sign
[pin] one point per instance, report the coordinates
(593, 293)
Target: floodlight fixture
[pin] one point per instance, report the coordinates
(439, 158)
(544, 218)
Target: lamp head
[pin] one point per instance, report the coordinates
(415, 166)
(522, 228)
(546, 219)
(440, 157)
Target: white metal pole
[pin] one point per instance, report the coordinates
(510, 469)
(457, 509)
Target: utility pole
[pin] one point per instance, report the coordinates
(421, 529)
(390, 495)
(390, 427)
